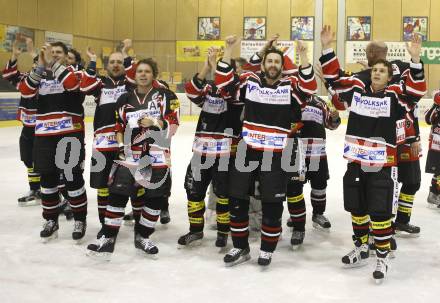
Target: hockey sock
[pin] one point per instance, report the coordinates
(222, 210)
(196, 210)
(239, 222)
(297, 209)
(114, 214)
(361, 226)
(50, 199)
(137, 202)
(382, 232)
(406, 200)
(62, 187)
(319, 201)
(102, 198)
(33, 179)
(149, 216)
(77, 196)
(271, 226)
(165, 204)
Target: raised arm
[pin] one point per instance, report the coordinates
(90, 84)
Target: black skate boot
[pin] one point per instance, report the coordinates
(128, 219)
(32, 197)
(222, 240)
(406, 230)
(79, 230)
(358, 256)
(146, 245)
(264, 258)
(102, 249)
(381, 270)
(65, 209)
(297, 239)
(236, 256)
(50, 231)
(433, 199)
(321, 222)
(165, 217)
(190, 239)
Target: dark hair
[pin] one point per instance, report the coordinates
(76, 54)
(387, 64)
(239, 61)
(152, 64)
(62, 45)
(273, 50)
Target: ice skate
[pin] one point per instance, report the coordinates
(102, 249)
(79, 230)
(50, 231)
(237, 256)
(406, 230)
(264, 258)
(146, 246)
(165, 217)
(358, 256)
(321, 222)
(31, 198)
(381, 270)
(190, 239)
(297, 239)
(433, 200)
(222, 240)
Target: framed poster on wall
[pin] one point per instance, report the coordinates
(415, 25)
(254, 28)
(358, 28)
(208, 28)
(302, 28)
(9, 34)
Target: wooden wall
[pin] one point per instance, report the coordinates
(155, 25)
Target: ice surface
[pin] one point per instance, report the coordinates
(60, 271)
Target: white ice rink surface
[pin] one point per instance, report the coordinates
(61, 272)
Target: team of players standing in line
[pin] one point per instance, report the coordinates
(262, 114)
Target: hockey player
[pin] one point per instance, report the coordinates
(59, 120)
(151, 115)
(26, 114)
(316, 117)
(432, 117)
(272, 108)
(374, 127)
(106, 91)
(409, 173)
(216, 137)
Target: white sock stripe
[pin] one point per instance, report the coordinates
(382, 238)
(136, 208)
(50, 207)
(406, 204)
(49, 191)
(270, 234)
(298, 215)
(115, 209)
(78, 205)
(76, 193)
(318, 192)
(237, 230)
(153, 212)
(113, 221)
(147, 223)
(103, 207)
(318, 199)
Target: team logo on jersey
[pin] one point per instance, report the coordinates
(111, 95)
(214, 105)
(371, 106)
(356, 152)
(50, 87)
(267, 95)
(54, 125)
(311, 113)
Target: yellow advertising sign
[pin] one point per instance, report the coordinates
(196, 51)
